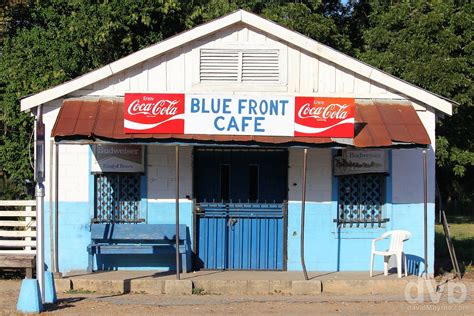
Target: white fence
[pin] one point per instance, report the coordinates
(17, 227)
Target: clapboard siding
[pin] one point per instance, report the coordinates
(300, 72)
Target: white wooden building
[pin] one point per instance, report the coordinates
(242, 54)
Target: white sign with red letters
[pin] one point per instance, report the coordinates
(238, 115)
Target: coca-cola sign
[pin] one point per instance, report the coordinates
(324, 117)
(238, 115)
(154, 113)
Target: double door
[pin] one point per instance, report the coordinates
(241, 208)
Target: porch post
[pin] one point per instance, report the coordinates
(303, 202)
(425, 202)
(56, 210)
(39, 194)
(177, 214)
(51, 215)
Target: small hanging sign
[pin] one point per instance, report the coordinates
(361, 161)
(117, 158)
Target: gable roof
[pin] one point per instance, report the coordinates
(303, 42)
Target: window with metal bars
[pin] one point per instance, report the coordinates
(117, 198)
(360, 200)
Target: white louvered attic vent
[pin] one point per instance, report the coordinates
(245, 66)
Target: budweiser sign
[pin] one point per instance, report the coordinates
(324, 117)
(154, 113)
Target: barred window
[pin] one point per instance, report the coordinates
(117, 198)
(360, 200)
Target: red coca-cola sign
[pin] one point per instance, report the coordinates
(154, 113)
(324, 117)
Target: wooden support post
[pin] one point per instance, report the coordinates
(50, 189)
(56, 211)
(177, 214)
(425, 203)
(303, 203)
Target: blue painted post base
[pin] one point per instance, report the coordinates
(29, 300)
(49, 288)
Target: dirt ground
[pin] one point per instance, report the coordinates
(145, 304)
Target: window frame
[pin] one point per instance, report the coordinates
(113, 219)
(383, 219)
(210, 86)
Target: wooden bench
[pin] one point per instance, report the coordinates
(149, 239)
(26, 261)
(17, 235)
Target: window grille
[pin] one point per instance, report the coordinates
(117, 198)
(361, 199)
(234, 65)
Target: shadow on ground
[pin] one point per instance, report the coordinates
(62, 304)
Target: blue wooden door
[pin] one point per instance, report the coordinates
(241, 208)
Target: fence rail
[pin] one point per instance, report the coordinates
(17, 227)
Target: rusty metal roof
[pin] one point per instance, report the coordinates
(378, 124)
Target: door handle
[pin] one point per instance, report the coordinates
(232, 221)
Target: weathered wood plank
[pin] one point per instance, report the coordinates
(17, 252)
(17, 223)
(18, 203)
(293, 70)
(17, 243)
(17, 233)
(17, 214)
(144, 232)
(17, 261)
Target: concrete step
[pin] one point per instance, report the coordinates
(243, 287)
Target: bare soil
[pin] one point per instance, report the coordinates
(144, 304)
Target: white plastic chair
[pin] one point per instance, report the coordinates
(395, 249)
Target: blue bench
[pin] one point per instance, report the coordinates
(151, 239)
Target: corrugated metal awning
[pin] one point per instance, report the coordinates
(378, 124)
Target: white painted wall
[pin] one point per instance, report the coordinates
(407, 166)
(177, 71)
(161, 168)
(302, 74)
(318, 177)
(73, 163)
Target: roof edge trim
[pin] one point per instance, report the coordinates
(350, 63)
(297, 39)
(130, 60)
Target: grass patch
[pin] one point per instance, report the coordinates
(79, 291)
(462, 235)
(460, 219)
(199, 291)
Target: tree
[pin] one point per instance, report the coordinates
(321, 20)
(49, 42)
(430, 44)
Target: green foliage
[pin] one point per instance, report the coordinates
(313, 19)
(430, 44)
(52, 41)
(427, 43)
(462, 235)
(320, 20)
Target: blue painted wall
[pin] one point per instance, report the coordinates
(74, 233)
(327, 248)
(348, 249)
(74, 237)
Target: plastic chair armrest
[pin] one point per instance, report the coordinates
(375, 240)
